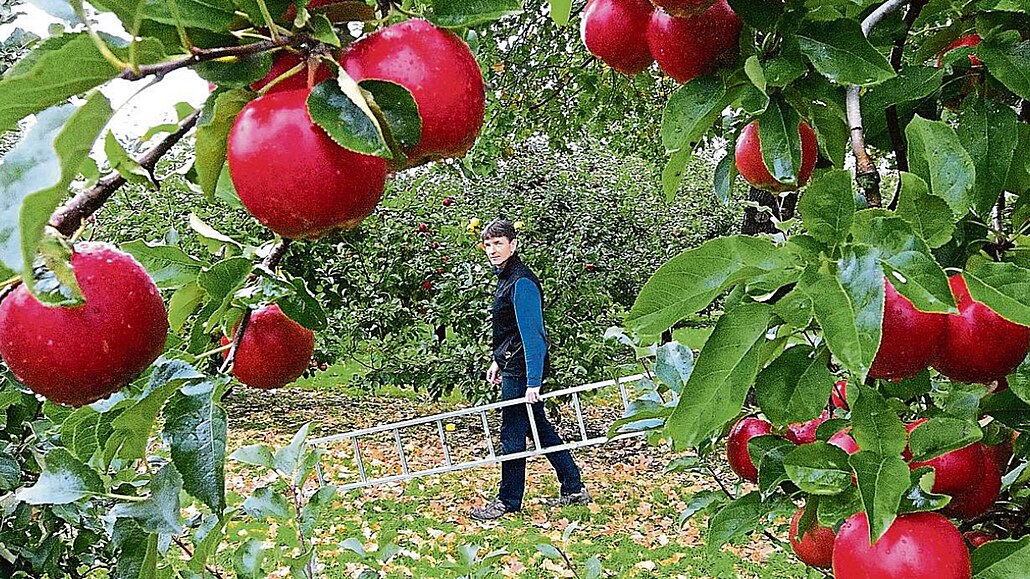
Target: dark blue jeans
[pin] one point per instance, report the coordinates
(514, 431)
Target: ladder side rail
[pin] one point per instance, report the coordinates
(532, 425)
(486, 433)
(400, 450)
(443, 443)
(579, 416)
(621, 382)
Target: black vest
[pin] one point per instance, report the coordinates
(507, 342)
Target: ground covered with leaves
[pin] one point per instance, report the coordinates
(422, 528)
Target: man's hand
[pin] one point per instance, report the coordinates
(493, 375)
(533, 395)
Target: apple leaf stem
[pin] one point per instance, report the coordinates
(70, 216)
(205, 54)
(866, 175)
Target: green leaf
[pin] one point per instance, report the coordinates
(311, 512)
(168, 265)
(781, 141)
(882, 482)
(690, 281)
(691, 110)
(760, 14)
(827, 206)
(10, 472)
(324, 30)
(841, 53)
(673, 365)
(399, 108)
(287, 458)
(137, 555)
(913, 83)
(912, 269)
(930, 216)
(267, 502)
(466, 13)
(548, 551)
(249, 558)
(920, 498)
(195, 428)
(767, 453)
(213, 126)
(238, 73)
(1004, 559)
(183, 303)
(819, 468)
(159, 513)
(935, 153)
(875, 426)
(84, 432)
(988, 131)
(742, 516)
(202, 14)
(849, 309)
(755, 73)
(341, 110)
(122, 163)
(57, 69)
(1008, 61)
(724, 371)
(1003, 287)
(939, 435)
(795, 386)
(35, 174)
(63, 480)
(672, 173)
(131, 429)
(722, 182)
(561, 11)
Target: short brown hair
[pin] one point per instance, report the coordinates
(499, 228)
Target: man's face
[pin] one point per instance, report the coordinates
(498, 250)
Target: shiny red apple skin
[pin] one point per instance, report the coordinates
(686, 48)
(978, 538)
(616, 32)
(292, 177)
(979, 346)
(839, 395)
(844, 441)
(978, 498)
(736, 446)
(684, 8)
(910, 338)
(916, 546)
(748, 158)
(967, 40)
(441, 73)
(815, 547)
(274, 350)
(80, 354)
(299, 80)
(804, 432)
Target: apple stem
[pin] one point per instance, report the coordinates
(213, 351)
(70, 216)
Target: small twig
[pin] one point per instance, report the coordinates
(189, 553)
(70, 216)
(205, 54)
(568, 562)
(893, 122)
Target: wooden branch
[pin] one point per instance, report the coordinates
(205, 54)
(69, 217)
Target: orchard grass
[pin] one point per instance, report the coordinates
(632, 527)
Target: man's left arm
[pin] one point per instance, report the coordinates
(529, 314)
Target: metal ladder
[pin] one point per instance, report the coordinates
(449, 465)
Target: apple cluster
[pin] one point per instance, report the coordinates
(970, 475)
(687, 38)
(976, 345)
(301, 184)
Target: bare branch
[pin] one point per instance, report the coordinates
(205, 54)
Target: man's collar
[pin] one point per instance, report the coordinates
(507, 265)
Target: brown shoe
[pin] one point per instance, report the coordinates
(490, 511)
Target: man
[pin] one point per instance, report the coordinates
(520, 359)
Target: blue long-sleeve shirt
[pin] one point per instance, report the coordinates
(529, 312)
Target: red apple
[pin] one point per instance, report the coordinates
(844, 441)
(979, 497)
(448, 201)
(955, 472)
(916, 546)
(284, 62)
(910, 338)
(839, 394)
(967, 40)
(616, 32)
(274, 350)
(439, 70)
(292, 177)
(683, 7)
(804, 432)
(979, 346)
(78, 355)
(736, 446)
(978, 538)
(686, 48)
(815, 546)
(751, 166)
